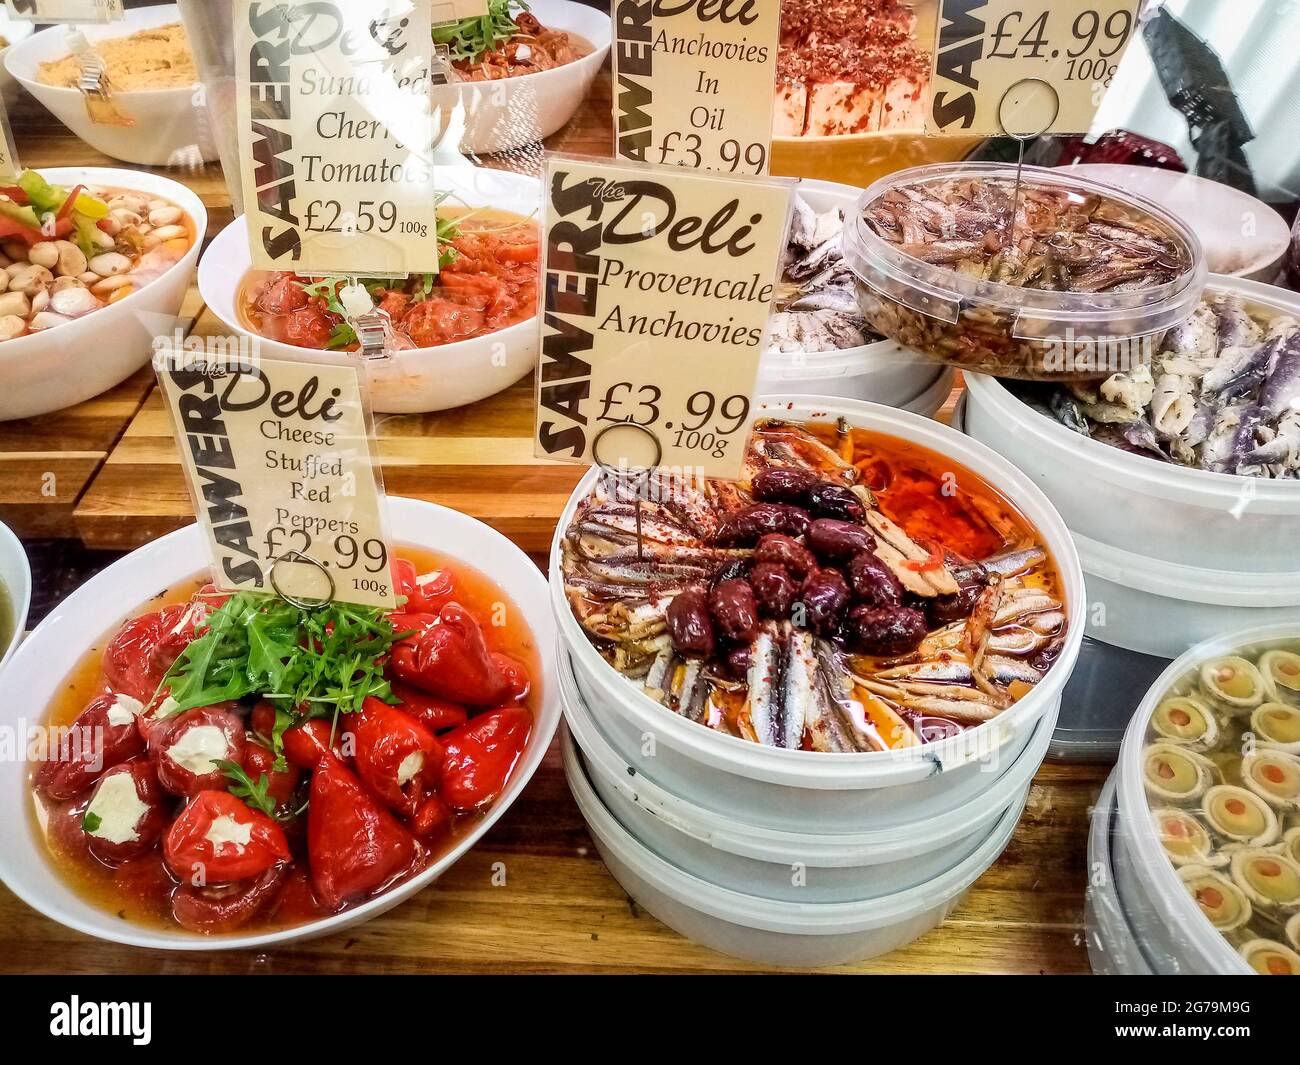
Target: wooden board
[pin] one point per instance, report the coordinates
(559, 910)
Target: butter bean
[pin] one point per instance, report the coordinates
(110, 264)
(40, 301)
(165, 233)
(47, 320)
(15, 303)
(31, 279)
(45, 253)
(12, 326)
(61, 283)
(74, 302)
(110, 284)
(164, 216)
(72, 260)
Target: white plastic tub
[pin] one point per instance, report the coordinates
(794, 790)
(1193, 517)
(792, 866)
(764, 930)
(882, 372)
(1161, 608)
(1112, 948)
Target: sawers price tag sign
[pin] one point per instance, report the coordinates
(694, 82)
(1024, 67)
(658, 286)
(279, 461)
(336, 135)
(65, 10)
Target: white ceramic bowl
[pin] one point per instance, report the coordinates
(802, 790)
(421, 379)
(171, 125)
(767, 931)
(1164, 917)
(803, 866)
(1192, 517)
(1112, 947)
(513, 112)
(60, 367)
(1241, 235)
(16, 579)
(12, 30)
(39, 669)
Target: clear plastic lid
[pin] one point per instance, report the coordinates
(941, 292)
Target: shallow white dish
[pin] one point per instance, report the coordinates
(16, 578)
(790, 790)
(1112, 947)
(41, 665)
(1132, 502)
(764, 930)
(807, 866)
(1241, 235)
(171, 125)
(62, 366)
(13, 30)
(512, 112)
(421, 379)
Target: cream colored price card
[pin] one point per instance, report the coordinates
(65, 10)
(455, 10)
(8, 153)
(694, 82)
(336, 134)
(279, 460)
(1052, 61)
(657, 290)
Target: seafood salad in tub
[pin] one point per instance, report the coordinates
(1054, 276)
(1221, 772)
(836, 599)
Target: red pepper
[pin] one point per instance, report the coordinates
(259, 761)
(175, 741)
(145, 648)
(296, 903)
(16, 193)
(427, 596)
(66, 209)
(432, 820)
(518, 682)
(481, 754)
(355, 846)
(219, 839)
(103, 837)
(225, 907)
(447, 656)
(308, 744)
(88, 747)
(433, 713)
(397, 758)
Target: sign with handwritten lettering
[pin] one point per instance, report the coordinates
(658, 286)
(336, 135)
(279, 460)
(1025, 67)
(694, 82)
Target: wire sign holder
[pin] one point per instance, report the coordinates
(1033, 104)
(622, 474)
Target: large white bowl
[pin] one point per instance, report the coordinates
(771, 931)
(171, 125)
(13, 30)
(39, 670)
(513, 112)
(63, 366)
(807, 790)
(421, 379)
(1112, 947)
(16, 578)
(1192, 517)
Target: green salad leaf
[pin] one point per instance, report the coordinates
(470, 38)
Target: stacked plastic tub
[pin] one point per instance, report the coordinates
(1171, 555)
(1194, 851)
(791, 857)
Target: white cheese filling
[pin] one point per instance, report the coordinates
(123, 710)
(198, 749)
(428, 578)
(119, 809)
(410, 765)
(226, 830)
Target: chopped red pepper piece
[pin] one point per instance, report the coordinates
(433, 713)
(447, 656)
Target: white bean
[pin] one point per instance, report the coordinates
(15, 303)
(16, 268)
(102, 239)
(164, 216)
(72, 260)
(47, 320)
(31, 279)
(74, 302)
(110, 284)
(88, 278)
(61, 283)
(12, 326)
(40, 301)
(125, 217)
(109, 264)
(44, 253)
(111, 226)
(165, 233)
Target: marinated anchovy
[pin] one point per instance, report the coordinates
(807, 610)
(1223, 395)
(1105, 254)
(817, 308)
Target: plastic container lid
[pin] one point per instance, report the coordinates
(1037, 314)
